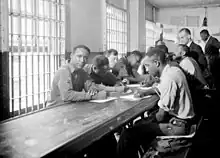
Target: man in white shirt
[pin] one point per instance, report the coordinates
(189, 64)
(175, 106)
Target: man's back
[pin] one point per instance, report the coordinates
(197, 54)
(175, 94)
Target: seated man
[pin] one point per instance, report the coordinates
(175, 107)
(188, 64)
(126, 67)
(100, 74)
(71, 82)
(112, 56)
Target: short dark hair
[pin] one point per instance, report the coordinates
(100, 60)
(186, 30)
(185, 48)
(162, 47)
(158, 53)
(204, 32)
(81, 46)
(137, 53)
(112, 51)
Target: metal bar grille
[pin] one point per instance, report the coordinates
(116, 29)
(35, 33)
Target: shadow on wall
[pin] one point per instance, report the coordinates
(91, 56)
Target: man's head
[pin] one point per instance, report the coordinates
(182, 50)
(79, 56)
(184, 36)
(163, 47)
(204, 34)
(100, 64)
(154, 61)
(134, 58)
(159, 42)
(112, 56)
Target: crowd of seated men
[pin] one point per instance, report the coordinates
(168, 77)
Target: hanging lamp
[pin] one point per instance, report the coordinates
(205, 20)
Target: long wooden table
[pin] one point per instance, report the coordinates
(73, 125)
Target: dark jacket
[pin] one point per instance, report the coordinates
(197, 54)
(212, 42)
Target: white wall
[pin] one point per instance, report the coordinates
(164, 15)
(118, 3)
(137, 25)
(86, 23)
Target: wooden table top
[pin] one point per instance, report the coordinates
(73, 124)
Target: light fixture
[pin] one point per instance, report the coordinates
(205, 20)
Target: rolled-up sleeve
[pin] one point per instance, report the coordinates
(167, 89)
(66, 89)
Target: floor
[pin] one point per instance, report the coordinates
(206, 141)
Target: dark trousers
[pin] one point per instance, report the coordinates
(142, 134)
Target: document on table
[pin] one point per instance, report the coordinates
(103, 100)
(145, 88)
(132, 98)
(133, 85)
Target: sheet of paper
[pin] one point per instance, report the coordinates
(132, 98)
(144, 88)
(133, 85)
(128, 91)
(103, 100)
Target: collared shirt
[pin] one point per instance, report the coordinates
(107, 79)
(122, 69)
(69, 85)
(175, 95)
(189, 43)
(190, 65)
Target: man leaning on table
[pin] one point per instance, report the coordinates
(175, 107)
(72, 83)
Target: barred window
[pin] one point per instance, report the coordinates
(116, 29)
(36, 50)
(152, 34)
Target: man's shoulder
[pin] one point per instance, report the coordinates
(121, 63)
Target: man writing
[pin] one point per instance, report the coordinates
(175, 106)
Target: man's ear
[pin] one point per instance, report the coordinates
(157, 63)
(183, 53)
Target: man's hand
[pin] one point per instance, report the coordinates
(100, 95)
(138, 94)
(125, 81)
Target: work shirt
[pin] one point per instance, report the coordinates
(175, 96)
(70, 85)
(122, 69)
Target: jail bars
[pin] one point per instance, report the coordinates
(116, 26)
(36, 51)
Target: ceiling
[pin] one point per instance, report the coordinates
(184, 3)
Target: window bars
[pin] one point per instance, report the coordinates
(116, 26)
(36, 50)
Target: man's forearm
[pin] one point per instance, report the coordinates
(75, 96)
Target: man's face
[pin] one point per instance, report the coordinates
(102, 70)
(135, 60)
(79, 58)
(184, 37)
(204, 36)
(113, 59)
(178, 52)
(151, 66)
